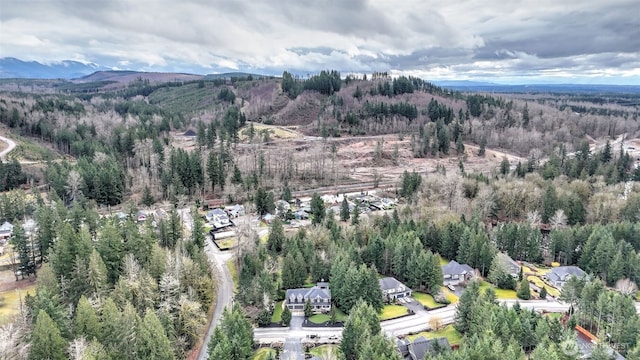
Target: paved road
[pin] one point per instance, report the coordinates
(218, 260)
(293, 349)
(403, 326)
(10, 146)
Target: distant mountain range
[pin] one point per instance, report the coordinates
(67, 69)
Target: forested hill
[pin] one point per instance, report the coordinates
(114, 128)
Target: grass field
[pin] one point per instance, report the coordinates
(453, 299)
(323, 318)
(500, 293)
(263, 353)
(538, 282)
(326, 351)
(10, 302)
(449, 332)
(426, 300)
(443, 261)
(275, 132)
(228, 243)
(234, 272)
(277, 313)
(392, 312)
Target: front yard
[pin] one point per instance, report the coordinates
(500, 293)
(277, 313)
(323, 318)
(427, 300)
(226, 244)
(453, 299)
(392, 311)
(10, 302)
(449, 332)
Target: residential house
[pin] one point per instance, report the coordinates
(189, 134)
(218, 218)
(268, 218)
(510, 265)
(393, 289)
(319, 296)
(236, 210)
(418, 348)
(557, 277)
(454, 273)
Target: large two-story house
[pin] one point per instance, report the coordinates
(319, 297)
(392, 289)
(421, 346)
(454, 273)
(218, 218)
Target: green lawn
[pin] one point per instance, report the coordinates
(538, 282)
(449, 332)
(326, 351)
(392, 312)
(323, 318)
(263, 353)
(277, 313)
(443, 261)
(638, 295)
(426, 300)
(500, 293)
(231, 264)
(453, 299)
(264, 238)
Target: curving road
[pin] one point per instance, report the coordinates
(224, 297)
(10, 146)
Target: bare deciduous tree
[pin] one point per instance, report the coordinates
(626, 286)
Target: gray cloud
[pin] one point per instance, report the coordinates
(467, 39)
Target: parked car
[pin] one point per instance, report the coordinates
(451, 287)
(333, 337)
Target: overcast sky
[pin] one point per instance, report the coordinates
(514, 41)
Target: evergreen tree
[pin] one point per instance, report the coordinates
(198, 236)
(86, 322)
(355, 215)
(344, 209)
(317, 209)
(543, 293)
(276, 236)
(483, 144)
(361, 324)
(46, 341)
(147, 197)
(286, 316)
(549, 204)
(467, 307)
(152, 340)
(524, 292)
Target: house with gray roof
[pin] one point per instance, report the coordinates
(454, 273)
(418, 348)
(392, 289)
(319, 296)
(510, 265)
(218, 218)
(557, 277)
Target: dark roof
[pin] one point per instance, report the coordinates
(421, 345)
(454, 268)
(389, 283)
(189, 133)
